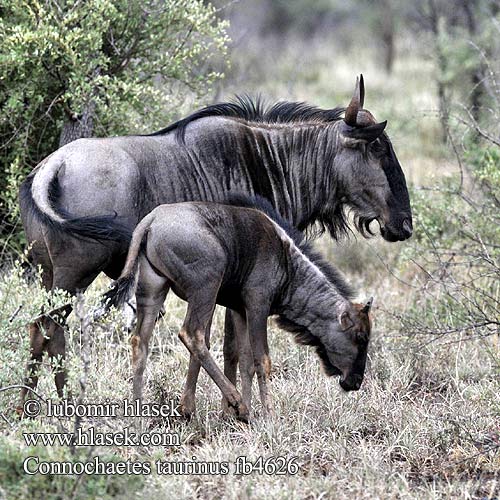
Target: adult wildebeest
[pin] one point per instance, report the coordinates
(80, 205)
(210, 253)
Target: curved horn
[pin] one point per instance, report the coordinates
(368, 306)
(356, 103)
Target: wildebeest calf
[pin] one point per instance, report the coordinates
(238, 257)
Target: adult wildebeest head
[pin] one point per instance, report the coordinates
(314, 165)
(371, 177)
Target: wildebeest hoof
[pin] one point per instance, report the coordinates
(187, 411)
(227, 409)
(242, 413)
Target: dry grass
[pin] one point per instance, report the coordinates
(424, 423)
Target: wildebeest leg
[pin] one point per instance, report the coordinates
(247, 366)
(37, 346)
(37, 341)
(188, 398)
(230, 346)
(234, 323)
(66, 265)
(257, 334)
(47, 334)
(150, 295)
(56, 349)
(199, 314)
(65, 278)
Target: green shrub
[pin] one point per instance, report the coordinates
(100, 67)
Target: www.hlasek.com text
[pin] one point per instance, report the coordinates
(91, 437)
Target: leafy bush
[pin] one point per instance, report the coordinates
(102, 67)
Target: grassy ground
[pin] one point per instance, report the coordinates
(424, 425)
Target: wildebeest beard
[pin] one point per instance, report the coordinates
(334, 219)
(304, 337)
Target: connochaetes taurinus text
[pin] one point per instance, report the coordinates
(311, 164)
(210, 253)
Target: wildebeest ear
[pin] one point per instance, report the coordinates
(356, 135)
(345, 320)
(368, 305)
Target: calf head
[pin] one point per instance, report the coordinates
(345, 347)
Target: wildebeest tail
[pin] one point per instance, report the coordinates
(38, 197)
(121, 291)
(124, 287)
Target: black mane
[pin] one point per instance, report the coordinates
(255, 110)
(304, 337)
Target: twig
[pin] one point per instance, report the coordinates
(22, 386)
(15, 313)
